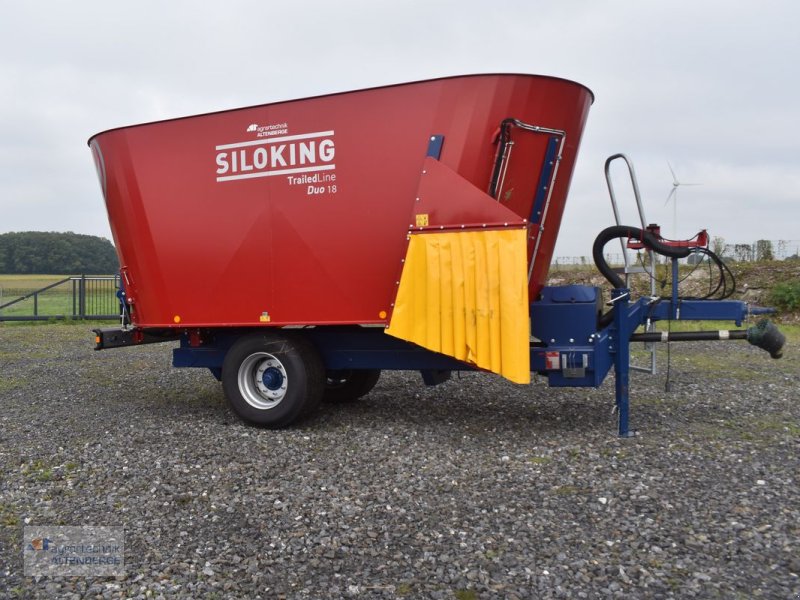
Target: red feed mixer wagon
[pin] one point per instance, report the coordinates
(298, 248)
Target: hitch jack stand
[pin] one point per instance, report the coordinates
(620, 347)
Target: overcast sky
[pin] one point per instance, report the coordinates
(710, 86)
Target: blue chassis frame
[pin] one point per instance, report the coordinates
(591, 350)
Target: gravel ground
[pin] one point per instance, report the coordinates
(473, 489)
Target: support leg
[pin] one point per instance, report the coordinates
(622, 356)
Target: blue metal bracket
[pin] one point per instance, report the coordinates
(435, 144)
(544, 179)
(692, 310)
(619, 347)
(674, 313)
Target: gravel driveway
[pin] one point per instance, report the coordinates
(473, 489)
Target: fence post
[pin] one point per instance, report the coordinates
(36, 305)
(82, 297)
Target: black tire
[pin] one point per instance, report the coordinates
(349, 384)
(272, 379)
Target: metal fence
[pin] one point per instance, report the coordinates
(77, 297)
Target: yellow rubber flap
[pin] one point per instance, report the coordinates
(465, 294)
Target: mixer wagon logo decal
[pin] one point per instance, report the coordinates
(268, 130)
(286, 155)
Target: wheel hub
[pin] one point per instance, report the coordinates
(262, 380)
(272, 378)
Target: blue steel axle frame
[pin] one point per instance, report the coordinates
(573, 350)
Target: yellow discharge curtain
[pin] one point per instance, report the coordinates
(465, 294)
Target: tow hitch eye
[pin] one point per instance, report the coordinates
(766, 336)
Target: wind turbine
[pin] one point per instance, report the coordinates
(673, 195)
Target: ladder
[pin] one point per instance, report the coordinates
(629, 269)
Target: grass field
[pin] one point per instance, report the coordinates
(62, 299)
(27, 282)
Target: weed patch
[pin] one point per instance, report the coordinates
(786, 295)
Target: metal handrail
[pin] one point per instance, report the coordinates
(636, 195)
(622, 242)
(501, 166)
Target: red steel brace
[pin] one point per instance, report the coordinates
(698, 241)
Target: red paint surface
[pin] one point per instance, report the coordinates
(223, 253)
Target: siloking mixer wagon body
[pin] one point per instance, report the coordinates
(297, 248)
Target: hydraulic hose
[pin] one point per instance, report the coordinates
(644, 236)
(617, 231)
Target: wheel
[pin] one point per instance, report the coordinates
(272, 379)
(349, 384)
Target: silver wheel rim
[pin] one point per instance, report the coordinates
(262, 380)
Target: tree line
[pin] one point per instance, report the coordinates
(54, 253)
